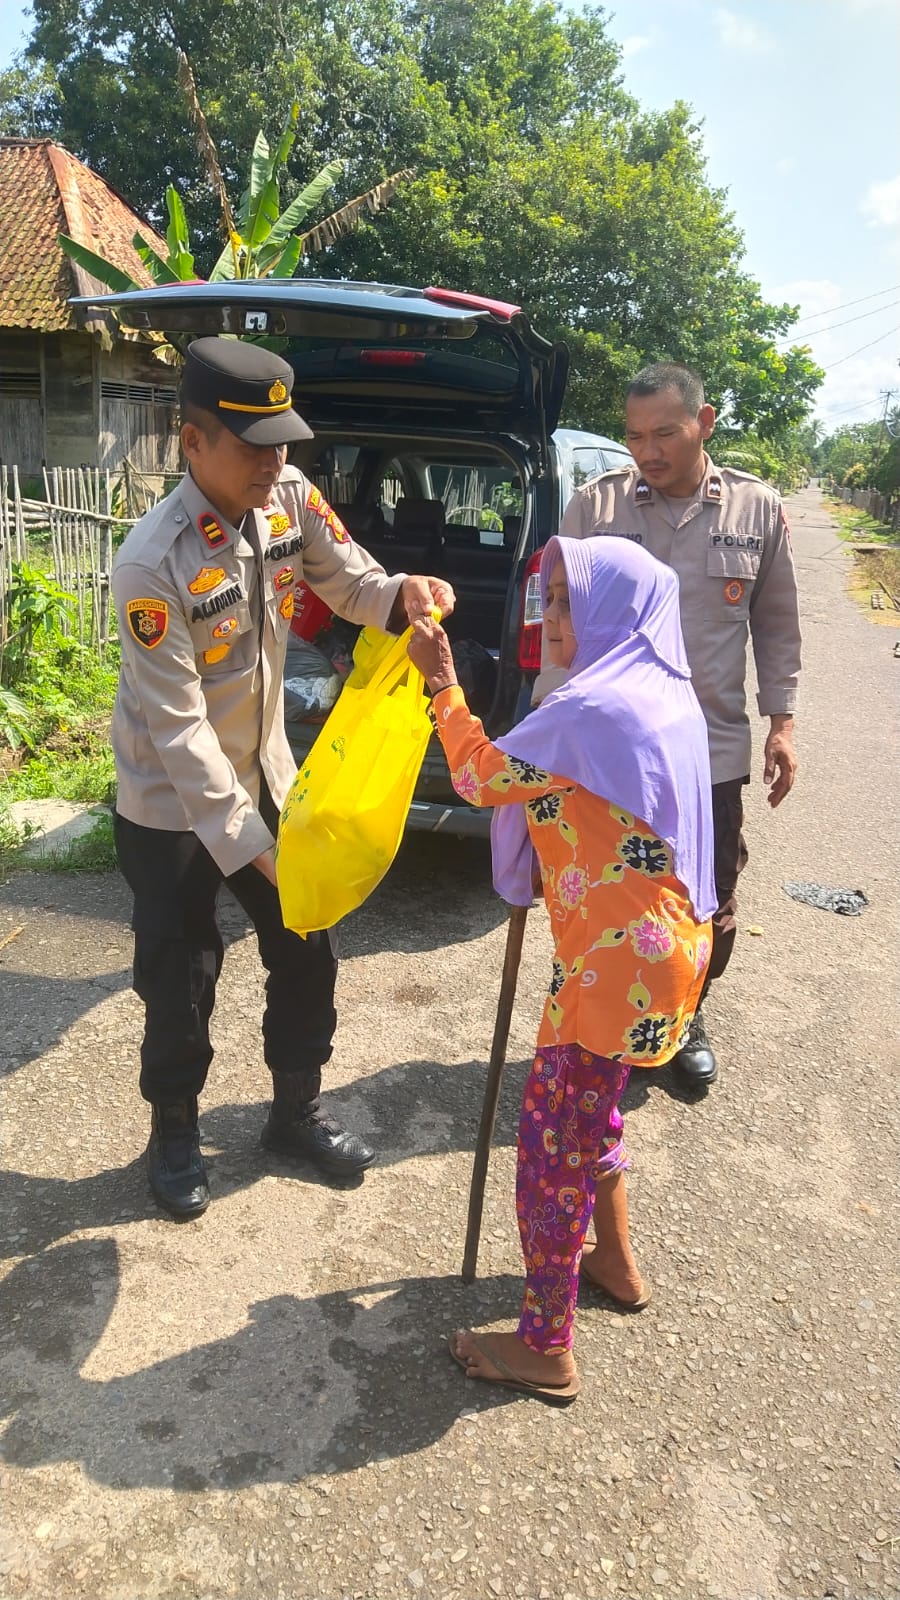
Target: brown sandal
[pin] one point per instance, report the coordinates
(552, 1394)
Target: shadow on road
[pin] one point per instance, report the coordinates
(321, 1384)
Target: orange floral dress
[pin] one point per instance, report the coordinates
(630, 956)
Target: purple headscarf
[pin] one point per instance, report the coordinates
(626, 725)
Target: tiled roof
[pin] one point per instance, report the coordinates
(45, 191)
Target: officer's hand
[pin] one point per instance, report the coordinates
(429, 650)
(421, 596)
(780, 758)
(266, 865)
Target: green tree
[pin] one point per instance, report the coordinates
(863, 455)
(540, 179)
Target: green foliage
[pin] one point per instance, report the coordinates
(11, 839)
(36, 611)
(15, 727)
(29, 99)
(94, 851)
(264, 234)
(783, 462)
(60, 713)
(863, 455)
(540, 180)
(80, 769)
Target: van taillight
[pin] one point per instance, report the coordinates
(530, 626)
(391, 358)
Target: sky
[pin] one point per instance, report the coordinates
(800, 113)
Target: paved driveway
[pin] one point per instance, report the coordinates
(260, 1405)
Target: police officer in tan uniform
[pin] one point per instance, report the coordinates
(204, 590)
(725, 533)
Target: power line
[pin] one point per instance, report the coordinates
(855, 405)
(862, 347)
(811, 316)
(830, 327)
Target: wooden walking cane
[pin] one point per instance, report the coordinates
(515, 933)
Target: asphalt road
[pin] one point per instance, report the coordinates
(260, 1404)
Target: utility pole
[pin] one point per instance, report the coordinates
(888, 396)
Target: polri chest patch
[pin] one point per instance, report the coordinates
(282, 549)
(734, 592)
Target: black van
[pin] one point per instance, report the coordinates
(435, 418)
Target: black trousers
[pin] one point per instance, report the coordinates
(178, 954)
(730, 852)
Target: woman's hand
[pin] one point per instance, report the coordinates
(429, 650)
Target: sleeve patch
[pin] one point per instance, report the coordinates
(334, 522)
(148, 621)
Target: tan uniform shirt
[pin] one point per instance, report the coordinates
(732, 553)
(204, 613)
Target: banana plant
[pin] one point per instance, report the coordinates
(262, 241)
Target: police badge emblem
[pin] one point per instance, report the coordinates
(148, 621)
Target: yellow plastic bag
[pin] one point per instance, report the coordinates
(343, 820)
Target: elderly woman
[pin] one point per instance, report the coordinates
(607, 785)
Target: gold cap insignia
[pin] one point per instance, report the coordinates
(278, 392)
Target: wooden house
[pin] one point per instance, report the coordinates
(73, 391)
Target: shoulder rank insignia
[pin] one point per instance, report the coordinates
(642, 490)
(316, 502)
(287, 607)
(207, 578)
(714, 489)
(148, 621)
(734, 592)
(278, 524)
(212, 530)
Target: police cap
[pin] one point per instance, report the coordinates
(246, 387)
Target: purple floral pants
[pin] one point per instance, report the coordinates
(570, 1136)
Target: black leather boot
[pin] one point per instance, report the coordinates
(695, 1063)
(174, 1163)
(295, 1127)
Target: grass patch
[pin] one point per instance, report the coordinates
(68, 702)
(11, 841)
(877, 572)
(93, 852)
(854, 524)
(80, 769)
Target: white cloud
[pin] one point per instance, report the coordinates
(881, 204)
(812, 295)
(739, 33)
(853, 381)
(854, 391)
(635, 43)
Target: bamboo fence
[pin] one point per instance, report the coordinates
(75, 527)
